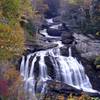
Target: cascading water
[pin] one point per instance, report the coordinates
(71, 71)
(49, 20)
(67, 70)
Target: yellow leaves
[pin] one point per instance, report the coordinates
(5, 28)
(82, 97)
(26, 7)
(11, 41)
(85, 97)
(70, 97)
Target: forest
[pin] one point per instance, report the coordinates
(49, 49)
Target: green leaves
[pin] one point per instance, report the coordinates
(10, 8)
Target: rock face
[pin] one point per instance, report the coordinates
(88, 47)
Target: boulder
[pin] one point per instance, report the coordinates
(67, 37)
(54, 32)
(56, 90)
(60, 87)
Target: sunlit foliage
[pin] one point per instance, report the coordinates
(11, 41)
(11, 34)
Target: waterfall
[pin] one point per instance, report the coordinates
(22, 68)
(70, 52)
(67, 69)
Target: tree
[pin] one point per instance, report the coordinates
(11, 34)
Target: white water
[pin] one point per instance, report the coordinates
(49, 20)
(56, 26)
(71, 71)
(68, 68)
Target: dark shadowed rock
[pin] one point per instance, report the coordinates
(67, 41)
(54, 32)
(67, 37)
(50, 68)
(65, 51)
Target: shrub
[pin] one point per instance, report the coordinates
(10, 9)
(11, 41)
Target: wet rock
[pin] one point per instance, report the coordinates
(54, 32)
(67, 38)
(50, 68)
(65, 51)
(67, 41)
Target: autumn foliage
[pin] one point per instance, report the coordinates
(4, 88)
(11, 41)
